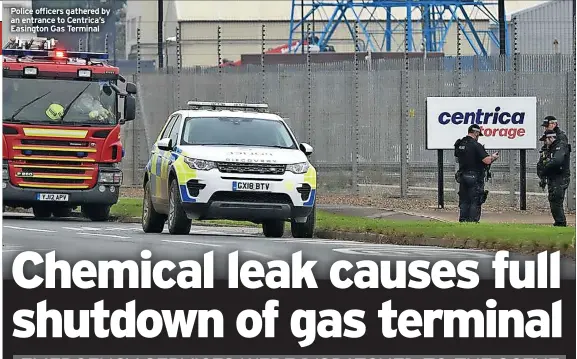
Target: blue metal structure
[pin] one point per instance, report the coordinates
(376, 31)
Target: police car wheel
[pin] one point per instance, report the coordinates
(273, 228)
(96, 213)
(152, 221)
(304, 230)
(178, 222)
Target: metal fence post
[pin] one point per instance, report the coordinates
(134, 130)
(178, 66)
(571, 119)
(512, 153)
(263, 70)
(459, 92)
(309, 93)
(219, 54)
(404, 120)
(356, 130)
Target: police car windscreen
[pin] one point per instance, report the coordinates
(53, 102)
(226, 131)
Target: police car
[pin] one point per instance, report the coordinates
(229, 161)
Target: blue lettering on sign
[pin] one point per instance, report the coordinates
(481, 117)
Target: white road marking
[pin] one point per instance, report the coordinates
(82, 228)
(31, 229)
(188, 242)
(259, 254)
(313, 241)
(103, 235)
(412, 251)
(18, 248)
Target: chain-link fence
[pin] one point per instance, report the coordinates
(365, 118)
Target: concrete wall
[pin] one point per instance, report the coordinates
(199, 40)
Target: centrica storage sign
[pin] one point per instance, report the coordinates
(506, 122)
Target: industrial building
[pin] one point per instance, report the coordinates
(241, 22)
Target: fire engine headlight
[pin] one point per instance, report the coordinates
(4, 174)
(298, 168)
(197, 164)
(110, 177)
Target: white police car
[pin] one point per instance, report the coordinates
(229, 161)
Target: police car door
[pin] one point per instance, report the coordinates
(167, 157)
(157, 165)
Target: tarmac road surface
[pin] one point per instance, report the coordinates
(78, 239)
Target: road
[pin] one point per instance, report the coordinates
(78, 239)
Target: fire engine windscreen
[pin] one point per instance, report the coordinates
(44, 101)
(225, 131)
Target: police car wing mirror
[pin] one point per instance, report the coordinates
(131, 88)
(165, 144)
(129, 108)
(306, 148)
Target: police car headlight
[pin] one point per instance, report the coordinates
(298, 168)
(197, 164)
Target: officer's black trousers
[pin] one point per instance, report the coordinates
(557, 186)
(471, 190)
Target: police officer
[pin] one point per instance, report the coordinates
(473, 160)
(551, 123)
(554, 170)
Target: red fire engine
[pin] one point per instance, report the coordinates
(61, 129)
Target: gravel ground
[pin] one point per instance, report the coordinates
(414, 203)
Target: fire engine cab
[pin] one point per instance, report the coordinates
(61, 145)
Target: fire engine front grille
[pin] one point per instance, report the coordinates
(38, 175)
(79, 154)
(57, 163)
(55, 143)
(52, 170)
(52, 180)
(256, 168)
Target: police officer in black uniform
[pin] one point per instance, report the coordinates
(554, 169)
(473, 160)
(551, 123)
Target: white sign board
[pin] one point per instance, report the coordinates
(506, 122)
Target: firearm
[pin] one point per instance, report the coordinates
(541, 166)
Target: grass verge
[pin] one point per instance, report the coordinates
(508, 235)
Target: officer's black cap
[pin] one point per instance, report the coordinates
(548, 120)
(548, 133)
(475, 128)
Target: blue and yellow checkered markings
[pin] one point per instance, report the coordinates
(311, 201)
(183, 174)
(186, 198)
(311, 179)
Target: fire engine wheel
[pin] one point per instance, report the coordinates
(96, 213)
(152, 221)
(178, 222)
(41, 212)
(62, 212)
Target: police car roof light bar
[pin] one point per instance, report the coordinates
(197, 105)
